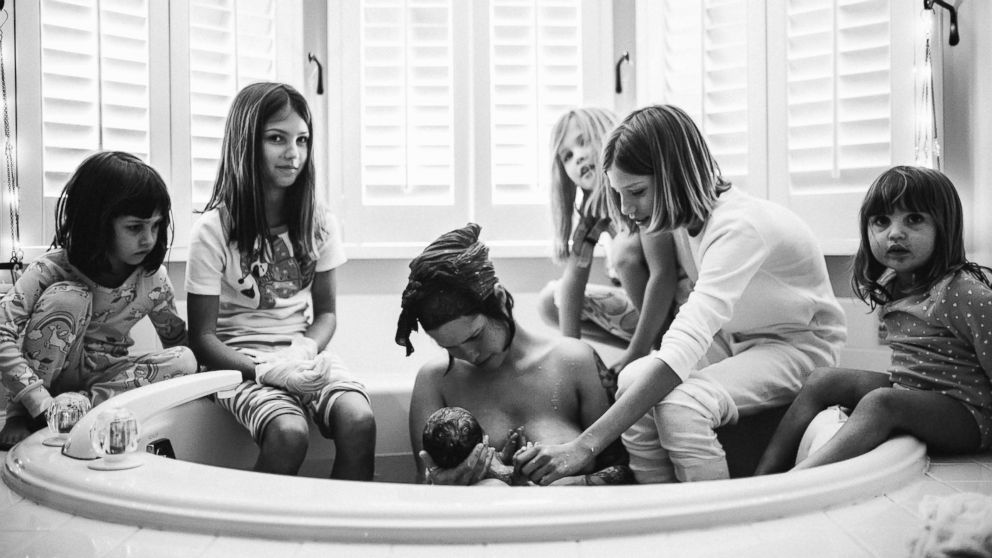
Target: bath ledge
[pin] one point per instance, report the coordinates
(177, 495)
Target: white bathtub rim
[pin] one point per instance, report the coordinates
(229, 503)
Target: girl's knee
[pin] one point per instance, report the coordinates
(352, 413)
(819, 381)
(288, 435)
(69, 296)
(698, 401)
(186, 361)
(879, 403)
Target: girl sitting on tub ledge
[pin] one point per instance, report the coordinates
(937, 311)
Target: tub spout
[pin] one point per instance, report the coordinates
(147, 401)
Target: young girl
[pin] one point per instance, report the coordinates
(911, 264)
(576, 170)
(759, 277)
(65, 325)
(260, 283)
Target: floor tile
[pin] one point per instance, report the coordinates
(238, 547)
(152, 543)
(563, 549)
(909, 497)
(77, 538)
(644, 545)
(443, 551)
(7, 496)
(328, 550)
(962, 471)
(739, 541)
(808, 535)
(984, 487)
(880, 525)
(28, 516)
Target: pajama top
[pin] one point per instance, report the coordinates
(114, 311)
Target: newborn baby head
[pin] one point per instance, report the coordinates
(450, 435)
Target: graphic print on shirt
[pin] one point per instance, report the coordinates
(265, 282)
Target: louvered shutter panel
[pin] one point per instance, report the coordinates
(231, 44)
(846, 96)
(838, 93)
(454, 106)
(94, 83)
(407, 83)
(536, 76)
(705, 71)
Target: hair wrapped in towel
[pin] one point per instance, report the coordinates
(452, 277)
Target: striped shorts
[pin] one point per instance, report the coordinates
(255, 406)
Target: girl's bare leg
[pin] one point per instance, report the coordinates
(353, 429)
(824, 388)
(940, 421)
(284, 445)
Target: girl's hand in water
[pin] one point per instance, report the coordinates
(544, 465)
(470, 471)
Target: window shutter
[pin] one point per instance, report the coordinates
(844, 75)
(95, 93)
(705, 71)
(407, 84)
(536, 73)
(231, 44)
(838, 93)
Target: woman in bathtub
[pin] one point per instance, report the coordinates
(519, 386)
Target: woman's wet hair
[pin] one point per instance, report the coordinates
(105, 186)
(924, 190)
(451, 278)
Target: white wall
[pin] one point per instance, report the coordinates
(967, 145)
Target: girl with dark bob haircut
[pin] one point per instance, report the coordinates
(65, 325)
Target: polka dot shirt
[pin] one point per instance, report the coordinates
(942, 341)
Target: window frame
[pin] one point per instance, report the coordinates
(472, 158)
(768, 124)
(169, 112)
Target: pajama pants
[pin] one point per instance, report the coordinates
(675, 440)
(53, 345)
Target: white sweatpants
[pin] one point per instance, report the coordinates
(675, 440)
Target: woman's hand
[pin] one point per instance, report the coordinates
(470, 471)
(544, 465)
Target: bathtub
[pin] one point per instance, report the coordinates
(207, 487)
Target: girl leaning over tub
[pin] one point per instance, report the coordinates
(758, 276)
(261, 290)
(65, 326)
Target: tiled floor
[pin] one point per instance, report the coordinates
(881, 527)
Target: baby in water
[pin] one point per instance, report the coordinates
(451, 433)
